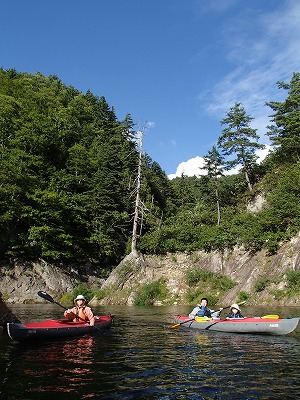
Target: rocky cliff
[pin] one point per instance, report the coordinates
(243, 267)
(20, 283)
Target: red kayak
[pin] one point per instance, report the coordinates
(53, 329)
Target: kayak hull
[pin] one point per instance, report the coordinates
(255, 325)
(54, 329)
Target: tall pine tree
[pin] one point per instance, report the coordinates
(284, 133)
(240, 141)
(213, 164)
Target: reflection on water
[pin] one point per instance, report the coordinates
(141, 358)
(75, 370)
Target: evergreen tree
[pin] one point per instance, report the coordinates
(66, 162)
(285, 132)
(213, 164)
(239, 139)
(9, 109)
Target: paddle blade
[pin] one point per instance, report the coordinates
(173, 326)
(202, 319)
(181, 323)
(45, 296)
(271, 316)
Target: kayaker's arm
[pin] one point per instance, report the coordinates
(216, 314)
(194, 312)
(69, 314)
(89, 313)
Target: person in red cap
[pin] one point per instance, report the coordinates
(80, 312)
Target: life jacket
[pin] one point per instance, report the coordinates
(237, 315)
(204, 312)
(79, 314)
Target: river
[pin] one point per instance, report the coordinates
(142, 358)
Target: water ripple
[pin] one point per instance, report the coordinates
(140, 358)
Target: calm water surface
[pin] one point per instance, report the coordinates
(142, 358)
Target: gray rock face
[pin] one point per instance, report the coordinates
(21, 282)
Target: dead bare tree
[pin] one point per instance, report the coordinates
(139, 207)
(134, 250)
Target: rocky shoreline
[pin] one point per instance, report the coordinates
(20, 282)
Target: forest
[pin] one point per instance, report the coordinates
(68, 180)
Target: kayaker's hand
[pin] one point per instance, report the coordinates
(220, 309)
(68, 311)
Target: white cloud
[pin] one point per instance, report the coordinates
(262, 53)
(193, 166)
(262, 153)
(150, 124)
(189, 168)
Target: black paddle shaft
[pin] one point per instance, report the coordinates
(47, 297)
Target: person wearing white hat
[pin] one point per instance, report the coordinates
(80, 312)
(235, 312)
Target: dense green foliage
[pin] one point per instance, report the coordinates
(66, 164)
(80, 288)
(148, 294)
(262, 283)
(212, 214)
(202, 281)
(67, 180)
(293, 279)
(284, 132)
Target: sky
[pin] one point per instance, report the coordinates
(176, 66)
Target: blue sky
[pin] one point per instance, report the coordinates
(177, 65)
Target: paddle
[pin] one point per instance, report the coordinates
(181, 323)
(47, 297)
(193, 319)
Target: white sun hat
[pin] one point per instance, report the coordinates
(235, 306)
(80, 297)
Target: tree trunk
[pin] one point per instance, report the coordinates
(248, 181)
(218, 207)
(134, 250)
